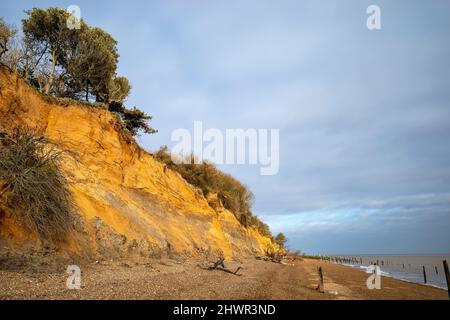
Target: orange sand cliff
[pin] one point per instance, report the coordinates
(128, 203)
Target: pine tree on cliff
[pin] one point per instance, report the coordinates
(46, 30)
(86, 57)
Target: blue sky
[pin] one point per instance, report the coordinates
(364, 116)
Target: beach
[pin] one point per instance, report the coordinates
(190, 279)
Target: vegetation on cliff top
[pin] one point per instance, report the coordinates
(234, 195)
(78, 63)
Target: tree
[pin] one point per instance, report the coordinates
(119, 89)
(47, 29)
(92, 64)
(135, 120)
(280, 239)
(87, 56)
(7, 32)
(105, 62)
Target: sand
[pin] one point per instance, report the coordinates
(174, 279)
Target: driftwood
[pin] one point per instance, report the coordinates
(229, 271)
(219, 265)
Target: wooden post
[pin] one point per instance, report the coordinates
(447, 276)
(424, 275)
(321, 288)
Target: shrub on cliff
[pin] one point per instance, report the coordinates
(281, 239)
(234, 195)
(134, 120)
(31, 184)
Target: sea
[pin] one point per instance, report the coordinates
(405, 266)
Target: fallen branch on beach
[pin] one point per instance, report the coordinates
(219, 265)
(229, 271)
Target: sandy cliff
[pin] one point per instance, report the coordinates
(127, 202)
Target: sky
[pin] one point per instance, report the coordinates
(364, 115)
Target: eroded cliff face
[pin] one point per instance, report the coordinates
(128, 204)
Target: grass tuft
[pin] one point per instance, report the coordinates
(31, 183)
